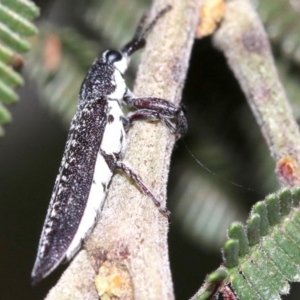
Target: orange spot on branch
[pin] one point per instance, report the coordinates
(113, 281)
(288, 170)
(211, 14)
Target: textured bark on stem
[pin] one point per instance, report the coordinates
(129, 243)
(243, 41)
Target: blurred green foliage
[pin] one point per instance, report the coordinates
(15, 26)
(223, 135)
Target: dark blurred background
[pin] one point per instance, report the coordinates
(223, 135)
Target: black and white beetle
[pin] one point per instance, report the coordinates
(94, 150)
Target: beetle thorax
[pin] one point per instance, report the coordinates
(120, 87)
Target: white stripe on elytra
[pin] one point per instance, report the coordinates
(94, 204)
(113, 131)
(111, 143)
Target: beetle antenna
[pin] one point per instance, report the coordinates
(138, 41)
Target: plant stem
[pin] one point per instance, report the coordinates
(130, 238)
(244, 42)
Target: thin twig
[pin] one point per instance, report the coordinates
(130, 239)
(243, 41)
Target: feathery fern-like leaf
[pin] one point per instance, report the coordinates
(15, 16)
(263, 256)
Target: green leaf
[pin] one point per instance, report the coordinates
(213, 281)
(253, 232)
(286, 202)
(9, 76)
(12, 39)
(261, 209)
(261, 287)
(236, 231)
(26, 9)
(14, 25)
(231, 253)
(7, 94)
(296, 197)
(5, 116)
(261, 266)
(242, 287)
(16, 22)
(273, 208)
